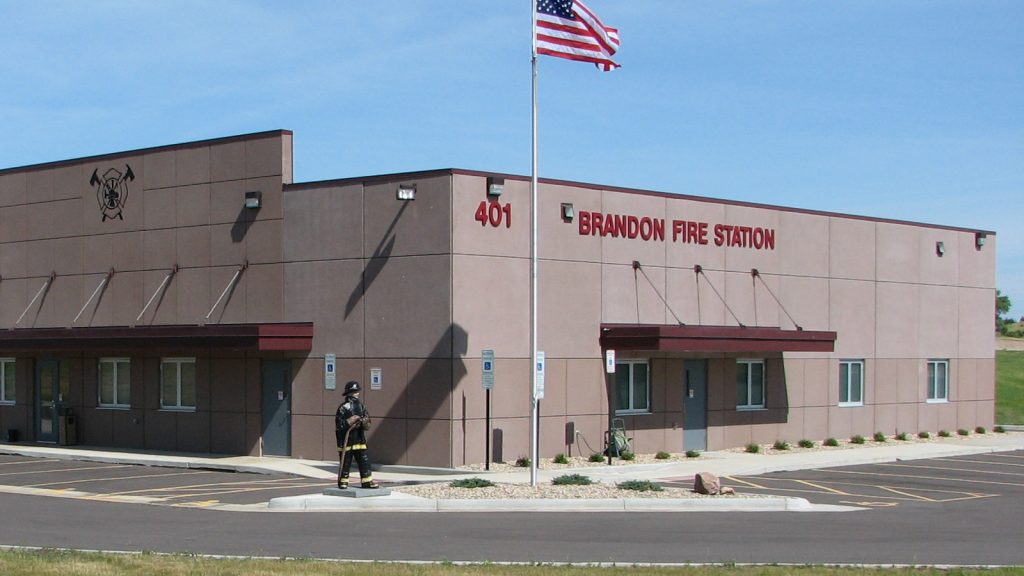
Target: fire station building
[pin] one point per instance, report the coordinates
(194, 298)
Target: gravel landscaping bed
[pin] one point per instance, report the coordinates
(502, 491)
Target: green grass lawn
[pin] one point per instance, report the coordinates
(1009, 387)
(17, 563)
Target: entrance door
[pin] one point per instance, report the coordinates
(695, 405)
(277, 408)
(47, 400)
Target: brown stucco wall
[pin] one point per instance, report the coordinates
(374, 275)
(879, 284)
(184, 208)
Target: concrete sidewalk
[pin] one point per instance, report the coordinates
(725, 463)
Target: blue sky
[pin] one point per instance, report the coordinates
(911, 110)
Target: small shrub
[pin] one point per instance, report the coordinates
(753, 448)
(572, 480)
(693, 454)
(523, 462)
(902, 436)
(662, 455)
(944, 434)
(924, 435)
(980, 430)
(831, 442)
(640, 486)
(880, 437)
(806, 443)
(781, 445)
(963, 432)
(999, 430)
(560, 459)
(596, 457)
(857, 439)
(471, 483)
(628, 456)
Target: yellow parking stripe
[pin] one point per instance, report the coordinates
(747, 482)
(971, 480)
(907, 494)
(28, 462)
(65, 470)
(199, 504)
(83, 481)
(215, 488)
(902, 465)
(982, 462)
(825, 488)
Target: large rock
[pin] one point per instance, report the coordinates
(706, 483)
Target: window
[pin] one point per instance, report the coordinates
(938, 380)
(749, 384)
(851, 382)
(178, 384)
(115, 383)
(632, 387)
(7, 393)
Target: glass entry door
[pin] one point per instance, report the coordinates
(47, 400)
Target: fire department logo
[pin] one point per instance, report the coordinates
(112, 190)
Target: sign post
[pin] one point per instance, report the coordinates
(487, 379)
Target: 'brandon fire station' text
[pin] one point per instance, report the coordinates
(682, 231)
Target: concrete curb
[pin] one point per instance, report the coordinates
(405, 503)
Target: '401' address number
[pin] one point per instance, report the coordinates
(494, 213)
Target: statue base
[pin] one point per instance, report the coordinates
(356, 492)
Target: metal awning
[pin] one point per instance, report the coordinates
(250, 337)
(682, 338)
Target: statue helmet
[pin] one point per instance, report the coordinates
(352, 387)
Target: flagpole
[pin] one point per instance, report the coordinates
(534, 452)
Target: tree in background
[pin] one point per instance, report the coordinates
(1003, 306)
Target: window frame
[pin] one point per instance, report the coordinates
(749, 395)
(860, 385)
(632, 362)
(177, 362)
(931, 384)
(116, 404)
(4, 400)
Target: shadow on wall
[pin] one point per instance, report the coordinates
(376, 263)
(421, 407)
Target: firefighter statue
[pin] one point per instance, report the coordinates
(351, 422)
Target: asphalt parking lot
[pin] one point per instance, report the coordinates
(909, 483)
(148, 484)
(981, 478)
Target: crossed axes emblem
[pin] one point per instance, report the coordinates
(112, 190)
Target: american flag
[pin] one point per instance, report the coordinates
(568, 29)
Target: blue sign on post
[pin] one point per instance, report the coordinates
(487, 363)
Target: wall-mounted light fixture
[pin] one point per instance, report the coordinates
(979, 239)
(254, 200)
(940, 249)
(568, 212)
(495, 186)
(406, 192)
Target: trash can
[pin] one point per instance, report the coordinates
(67, 435)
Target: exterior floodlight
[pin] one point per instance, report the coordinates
(568, 212)
(495, 186)
(406, 192)
(979, 239)
(940, 249)
(254, 200)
